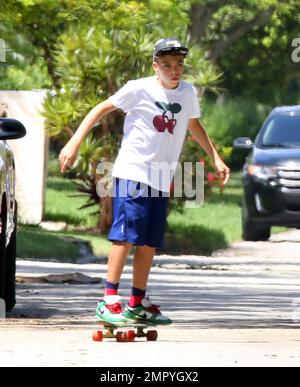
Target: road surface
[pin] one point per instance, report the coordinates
(240, 307)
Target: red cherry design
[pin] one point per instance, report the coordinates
(161, 123)
(171, 125)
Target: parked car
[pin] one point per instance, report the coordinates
(9, 129)
(271, 175)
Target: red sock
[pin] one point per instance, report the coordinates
(135, 301)
(111, 292)
(111, 289)
(136, 297)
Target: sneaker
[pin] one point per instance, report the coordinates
(146, 313)
(109, 309)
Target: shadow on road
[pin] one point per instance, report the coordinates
(250, 285)
(192, 298)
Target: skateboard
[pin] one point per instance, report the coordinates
(132, 330)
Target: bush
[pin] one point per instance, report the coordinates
(225, 121)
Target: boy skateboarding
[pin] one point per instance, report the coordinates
(159, 109)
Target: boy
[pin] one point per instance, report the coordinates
(159, 111)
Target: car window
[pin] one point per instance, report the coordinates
(282, 131)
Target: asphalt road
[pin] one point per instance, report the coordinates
(240, 307)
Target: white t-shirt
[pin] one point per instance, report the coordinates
(154, 130)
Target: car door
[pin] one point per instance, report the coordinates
(2, 184)
(10, 189)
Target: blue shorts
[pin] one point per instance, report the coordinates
(139, 214)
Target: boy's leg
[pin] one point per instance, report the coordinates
(109, 309)
(116, 261)
(140, 308)
(142, 263)
(156, 213)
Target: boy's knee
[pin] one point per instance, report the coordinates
(146, 247)
(123, 243)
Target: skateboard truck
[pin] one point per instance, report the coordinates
(111, 331)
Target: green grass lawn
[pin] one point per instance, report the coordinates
(214, 225)
(196, 231)
(34, 242)
(62, 205)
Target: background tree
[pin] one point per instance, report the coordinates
(240, 61)
(93, 61)
(250, 40)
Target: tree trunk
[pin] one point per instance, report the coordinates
(50, 65)
(241, 30)
(105, 215)
(200, 16)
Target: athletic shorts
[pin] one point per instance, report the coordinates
(139, 214)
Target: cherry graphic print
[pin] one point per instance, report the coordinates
(163, 122)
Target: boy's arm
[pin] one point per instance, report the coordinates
(69, 152)
(203, 139)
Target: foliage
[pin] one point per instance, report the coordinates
(90, 49)
(25, 69)
(93, 150)
(249, 39)
(62, 113)
(251, 42)
(225, 120)
(202, 73)
(228, 119)
(205, 229)
(92, 61)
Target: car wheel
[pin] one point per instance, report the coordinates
(10, 280)
(2, 250)
(251, 231)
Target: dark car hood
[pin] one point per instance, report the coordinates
(275, 156)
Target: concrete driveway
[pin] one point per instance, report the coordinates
(240, 307)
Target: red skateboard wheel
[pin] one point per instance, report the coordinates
(98, 336)
(151, 335)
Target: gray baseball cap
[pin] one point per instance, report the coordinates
(163, 46)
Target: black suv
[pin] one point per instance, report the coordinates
(271, 175)
(9, 129)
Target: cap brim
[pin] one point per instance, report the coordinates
(181, 50)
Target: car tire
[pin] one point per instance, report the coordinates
(10, 279)
(2, 250)
(252, 231)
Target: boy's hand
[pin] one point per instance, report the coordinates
(68, 156)
(223, 171)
